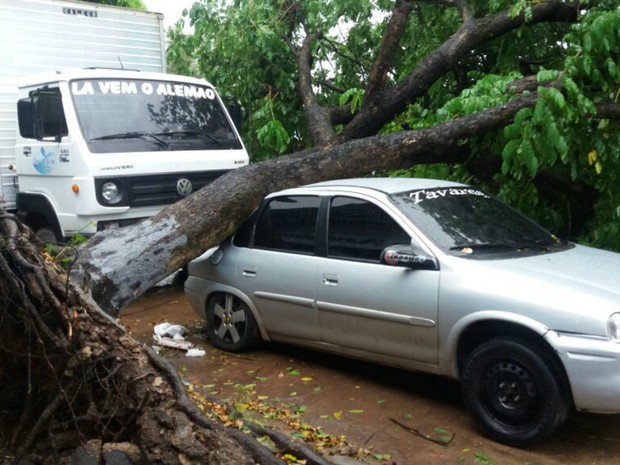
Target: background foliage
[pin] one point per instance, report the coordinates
(136, 4)
(555, 162)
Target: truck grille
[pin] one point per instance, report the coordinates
(146, 191)
(159, 189)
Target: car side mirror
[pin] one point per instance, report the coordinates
(408, 256)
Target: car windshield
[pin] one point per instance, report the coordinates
(467, 222)
(124, 115)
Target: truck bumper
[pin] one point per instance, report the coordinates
(592, 364)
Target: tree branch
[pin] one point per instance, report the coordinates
(317, 117)
(341, 115)
(608, 110)
(466, 10)
(331, 86)
(388, 48)
(393, 101)
(354, 60)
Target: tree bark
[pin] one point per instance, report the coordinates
(317, 117)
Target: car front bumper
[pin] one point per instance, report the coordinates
(593, 368)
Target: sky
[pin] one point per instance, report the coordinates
(171, 9)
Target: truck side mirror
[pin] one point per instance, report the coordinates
(42, 116)
(25, 118)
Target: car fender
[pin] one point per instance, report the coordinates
(217, 287)
(449, 356)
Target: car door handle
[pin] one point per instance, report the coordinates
(249, 271)
(330, 279)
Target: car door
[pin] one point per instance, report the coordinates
(370, 306)
(278, 268)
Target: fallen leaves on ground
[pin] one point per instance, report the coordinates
(251, 405)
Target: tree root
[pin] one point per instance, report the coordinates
(69, 379)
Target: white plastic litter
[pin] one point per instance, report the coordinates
(169, 330)
(196, 353)
(169, 342)
(169, 335)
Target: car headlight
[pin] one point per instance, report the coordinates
(613, 327)
(111, 193)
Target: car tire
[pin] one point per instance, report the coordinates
(230, 323)
(515, 390)
(46, 235)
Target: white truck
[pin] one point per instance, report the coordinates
(93, 133)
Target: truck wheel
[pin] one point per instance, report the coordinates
(230, 323)
(46, 235)
(515, 391)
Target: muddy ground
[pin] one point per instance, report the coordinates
(389, 416)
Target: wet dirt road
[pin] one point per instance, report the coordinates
(390, 414)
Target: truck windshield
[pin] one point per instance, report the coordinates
(129, 115)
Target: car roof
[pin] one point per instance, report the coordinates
(384, 185)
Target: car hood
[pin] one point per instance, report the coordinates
(593, 270)
(574, 290)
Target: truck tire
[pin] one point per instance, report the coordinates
(46, 235)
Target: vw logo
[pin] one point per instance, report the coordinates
(184, 187)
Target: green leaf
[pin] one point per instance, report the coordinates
(557, 97)
(510, 149)
(529, 157)
(547, 75)
(522, 115)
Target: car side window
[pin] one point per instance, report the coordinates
(244, 233)
(289, 224)
(360, 230)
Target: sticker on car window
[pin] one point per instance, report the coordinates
(420, 196)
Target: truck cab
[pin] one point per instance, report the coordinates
(93, 133)
(100, 149)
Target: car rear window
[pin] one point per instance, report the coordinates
(288, 223)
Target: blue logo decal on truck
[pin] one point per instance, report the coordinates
(44, 162)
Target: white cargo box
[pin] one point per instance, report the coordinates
(8, 124)
(39, 36)
(46, 35)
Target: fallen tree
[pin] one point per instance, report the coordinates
(120, 265)
(73, 381)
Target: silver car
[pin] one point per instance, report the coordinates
(425, 275)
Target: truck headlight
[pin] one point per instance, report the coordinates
(613, 327)
(111, 193)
